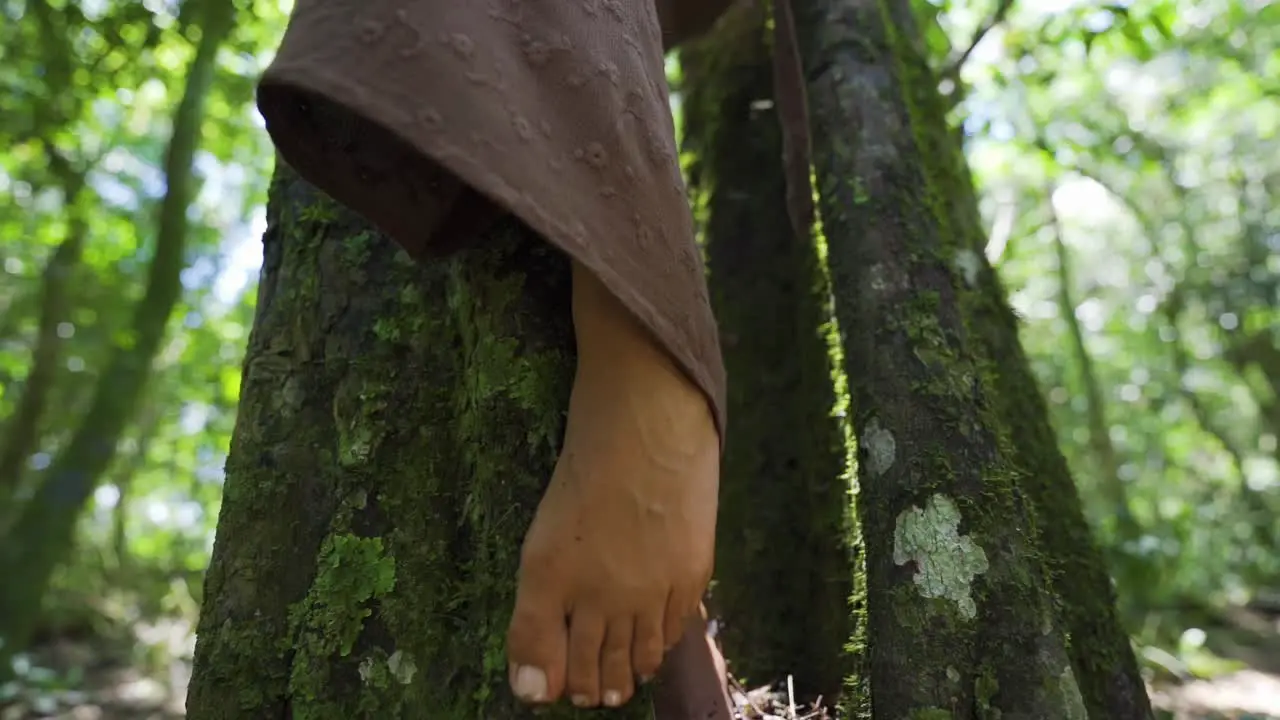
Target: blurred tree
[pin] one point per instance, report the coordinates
(785, 501)
(40, 537)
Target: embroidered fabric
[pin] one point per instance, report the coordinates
(431, 117)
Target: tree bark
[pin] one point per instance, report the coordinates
(1101, 654)
(961, 622)
(907, 250)
(398, 424)
(784, 564)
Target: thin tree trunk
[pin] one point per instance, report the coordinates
(398, 424)
(1103, 450)
(22, 428)
(784, 566)
(43, 534)
(124, 477)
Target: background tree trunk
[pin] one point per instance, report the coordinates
(784, 564)
(961, 622)
(397, 427)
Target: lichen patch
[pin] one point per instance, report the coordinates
(882, 448)
(969, 265)
(946, 562)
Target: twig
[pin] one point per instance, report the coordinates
(1002, 11)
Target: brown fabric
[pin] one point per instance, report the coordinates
(693, 682)
(554, 110)
(793, 116)
(683, 20)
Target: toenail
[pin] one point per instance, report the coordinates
(530, 684)
(581, 701)
(612, 698)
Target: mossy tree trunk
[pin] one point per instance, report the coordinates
(784, 567)
(1101, 654)
(961, 620)
(929, 337)
(398, 423)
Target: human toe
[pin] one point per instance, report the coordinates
(586, 639)
(647, 644)
(536, 645)
(617, 681)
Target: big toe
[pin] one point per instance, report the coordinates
(537, 643)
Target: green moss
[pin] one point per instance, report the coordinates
(398, 425)
(987, 690)
(860, 194)
(358, 406)
(387, 330)
(357, 248)
(320, 212)
(233, 642)
(352, 572)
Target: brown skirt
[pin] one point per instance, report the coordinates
(430, 116)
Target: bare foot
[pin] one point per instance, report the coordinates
(621, 548)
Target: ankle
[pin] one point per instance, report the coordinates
(622, 358)
(604, 330)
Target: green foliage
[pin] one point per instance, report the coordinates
(89, 94)
(1142, 140)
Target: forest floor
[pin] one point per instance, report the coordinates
(83, 679)
(1248, 639)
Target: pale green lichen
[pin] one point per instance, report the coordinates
(946, 562)
(402, 667)
(881, 447)
(969, 266)
(352, 571)
(355, 405)
(398, 667)
(1072, 699)
(370, 672)
(985, 689)
(288, 395)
